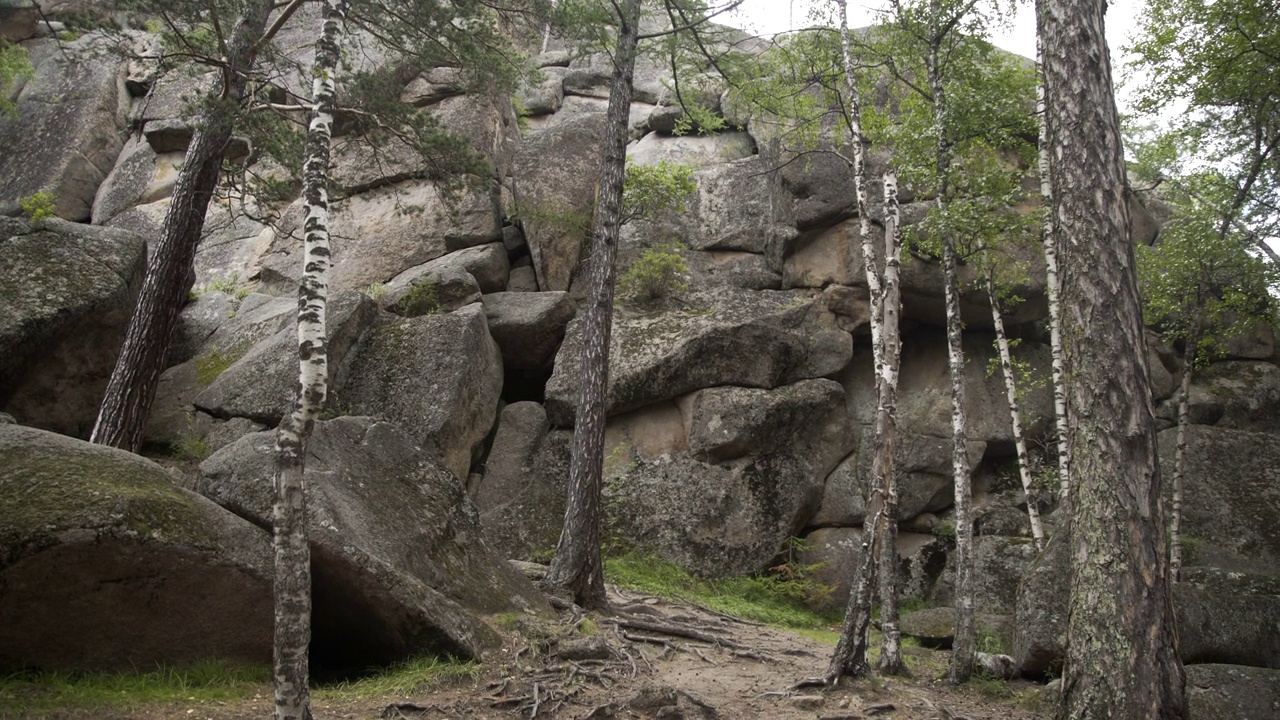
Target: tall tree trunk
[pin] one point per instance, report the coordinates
(1122, 647)
(962, 648)
(1053, 290)
(131, 390)
(577, 567)
(891, 662)
(1180, 453)
(292, 552)
(850, 657)
(1015, 411)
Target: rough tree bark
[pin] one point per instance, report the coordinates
(577, 567)
(891, 662)
(1122, 648)
(1015, 410)
(292, 552)
(1053, 290)
(131, 390)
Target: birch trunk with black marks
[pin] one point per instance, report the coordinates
(1015, 410)
(1053, 290)
(1180, 453)
(891, 662)
(962, 649)
(1122, 648)
(292, 552)
(850, 657)
(131, 390)
(577, 568)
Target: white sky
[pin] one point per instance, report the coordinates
(767, 17)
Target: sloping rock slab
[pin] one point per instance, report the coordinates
(528, 327)
(437, 376)
(390, 528)
(757, 339)
(66, 294)
(1232, 692)
(66, 135)
(105, 564)
(522, 506)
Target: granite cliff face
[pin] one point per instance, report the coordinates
(737, 410)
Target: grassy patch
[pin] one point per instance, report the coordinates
(209, 680)
(215, 362)
(766, 598)
(411, 677)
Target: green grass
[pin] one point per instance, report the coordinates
(413, 676)
(209, 680)
(769, 599)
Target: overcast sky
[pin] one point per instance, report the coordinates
(767, 17)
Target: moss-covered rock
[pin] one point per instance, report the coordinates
(105, 563)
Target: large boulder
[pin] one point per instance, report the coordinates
(437, 376)
(106, 565)
(751, 479)
(727, 336)
(390, 529)
(382, 233)
(832, 558)
(528, 327)
(1231, 496)
(66, 134)
(1040, 618)
(1232, 692)
(1242, 394)
(1222, 624)
(521, 496)
(555, 174)
(999, 566)
(262, 383)
(66, 294)
(936, 628)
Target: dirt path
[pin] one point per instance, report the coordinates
(652, 659)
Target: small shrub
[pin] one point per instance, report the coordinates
(945, 530)
(191, 447)
(376, 291)
(421, 299)
(657, 273)
(38, 206)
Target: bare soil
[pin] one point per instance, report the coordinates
(649, 658)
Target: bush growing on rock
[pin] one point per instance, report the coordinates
(657, 273)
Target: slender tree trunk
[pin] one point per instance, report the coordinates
(962, 648)
(1122, 647)
(292, 552)
(850, 657)
(1053, 290)
(891, 662)
(131, 390)
(1015, 411)
(577, 567)
(1180, 454)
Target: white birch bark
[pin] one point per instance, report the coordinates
(292, 552)
(1015, 410)
(1053, 290)
(1180, 453)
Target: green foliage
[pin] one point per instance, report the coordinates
(38, 206)
(216, 361)
(54, 690)
(191, 447)
(657, 273)
(421, 299)
(411, 677)
(376, 291)
(945, 530)
(649, 191)
(14, 64)
(773, 597)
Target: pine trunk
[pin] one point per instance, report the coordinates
(292, 552)
(1053, 290)
(122, 419)
(577, 567)
(1015, 411)
(850, 657)
(1122, 648)
(891, 662)
(1180, 453)
(962, 648)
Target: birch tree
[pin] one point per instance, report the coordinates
(1122, 651)
(1200, 288)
